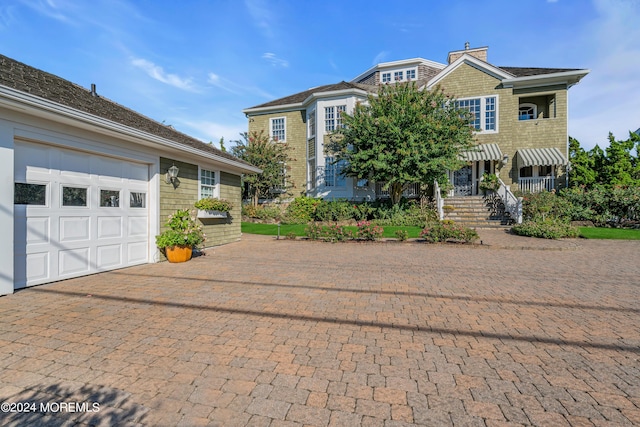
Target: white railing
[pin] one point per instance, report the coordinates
(536, 185)
(439, 200)
(512, 204)
(413, 190)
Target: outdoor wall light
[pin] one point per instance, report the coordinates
(505, 160)
(172, 175)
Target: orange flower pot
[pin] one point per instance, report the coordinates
(178, 253)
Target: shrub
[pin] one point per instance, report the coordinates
(183, 230)
(334, 210)
(402, 235)
(448, 230)
(545, 204)
(262, 211)
(549, 228)
(408, 213)
(301, 210)
(335, 233)
(313, 231)
(489, 182)
(291, 235)
(369, 231)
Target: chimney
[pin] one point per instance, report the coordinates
(476, 52)
(93, 90)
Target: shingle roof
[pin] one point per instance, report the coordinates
(531, 71)
(301, 96)
(24, 78)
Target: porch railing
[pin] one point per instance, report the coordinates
(536, 185)
(512, 204)
(412, 191)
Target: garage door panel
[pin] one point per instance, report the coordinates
(75, 228)
(75, 164)
(137, 252)
(137, 226)
(32, 159)
(108, 170)
(32, 268)
(73, 261)
(108, 256)
(109, 227)
(38, 230)
(137, 172)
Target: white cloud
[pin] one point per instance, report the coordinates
(274, 60)
(50, 8)
(261, 13)
(380, 57)
(157, 72)
(608, 99)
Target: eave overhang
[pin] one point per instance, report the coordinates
(569, 78)
(39, 107)
(301, 105)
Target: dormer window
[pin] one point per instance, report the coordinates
(398, 76)
(527, 111)
(386, 77)
(411, 74)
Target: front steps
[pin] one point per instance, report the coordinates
(473, 212)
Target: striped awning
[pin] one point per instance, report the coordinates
(482, 152)
(540, 157)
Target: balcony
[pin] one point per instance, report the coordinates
(536, 185)
(412, 192)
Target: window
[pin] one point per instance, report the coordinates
(484, 112)
(527, 111)
(74, 196)
(333, 173)
(207, 183)
(333, 117)
(278, 132)
(30, 194)
(109, 198)
(137, 200)
(398, 76)
(312, 123)
(311, 167)
(386, 77)
(411, 74)
(281, 186)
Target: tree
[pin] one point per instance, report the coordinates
(402, 136)
(583, 172)
(222, 147)
(270, 156)
(617, 165)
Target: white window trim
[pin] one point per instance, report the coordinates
(392, 75)
(483, 110)
(528, 105)
(216, 187)
(284, 120)
(312, 114)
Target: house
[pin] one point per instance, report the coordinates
(84, 184)
(521, 123)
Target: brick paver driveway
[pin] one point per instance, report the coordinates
(281, 333)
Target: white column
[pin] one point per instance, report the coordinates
(6, 208)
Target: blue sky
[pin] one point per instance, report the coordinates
(195, 64)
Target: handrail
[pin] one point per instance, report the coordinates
(439, 200)
(512, 204)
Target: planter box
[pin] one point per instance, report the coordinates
(211, 214)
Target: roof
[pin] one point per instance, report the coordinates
(299, 97)
(532, 71)
(25, 78)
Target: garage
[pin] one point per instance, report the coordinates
(76, 213)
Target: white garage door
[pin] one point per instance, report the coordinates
(76, 213)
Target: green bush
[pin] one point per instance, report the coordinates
(262, 211)
(301, 210)
(544, 205)
(407, 213)
(369, 231)
(329, 233)
(334, 210)
(549, 228)
(213, 204)
(402, 235)
(448, 230)
(183, 231)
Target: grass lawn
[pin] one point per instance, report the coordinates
(298, 229)
(609, 233)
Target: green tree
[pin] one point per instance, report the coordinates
(583, 172)
(621, 166)
(270, 156)
(222, 147)
(402, 136)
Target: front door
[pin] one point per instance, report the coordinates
(462, 181)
